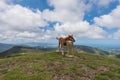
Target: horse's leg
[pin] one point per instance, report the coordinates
(62, 50)
(59, 46)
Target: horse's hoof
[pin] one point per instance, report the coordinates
(71, 56)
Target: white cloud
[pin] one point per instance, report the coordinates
(72, 28)
(80, 29)
(69, 16)
(116, 35)
(101, 3)
(111, 20)
(95, 32)
(20, 23)
(21, 17)
(26, 34)
(66, 11)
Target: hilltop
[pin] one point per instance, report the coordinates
(53, 66)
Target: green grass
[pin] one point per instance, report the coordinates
(53, 66)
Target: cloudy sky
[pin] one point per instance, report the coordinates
(90, 21)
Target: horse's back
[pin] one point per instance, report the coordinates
(62, 41)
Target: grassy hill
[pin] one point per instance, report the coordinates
(92, 50)
(17, 50)
(53, 66)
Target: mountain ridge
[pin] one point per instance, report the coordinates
(4, 47)
(89, 49)
(78, 48)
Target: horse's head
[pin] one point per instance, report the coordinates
(70, 37)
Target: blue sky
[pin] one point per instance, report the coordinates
(35, 4)
(92, 22)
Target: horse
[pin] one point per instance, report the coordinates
(63, 42)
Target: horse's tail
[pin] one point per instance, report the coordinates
(57, 38)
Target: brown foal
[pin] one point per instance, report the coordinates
(63, 41)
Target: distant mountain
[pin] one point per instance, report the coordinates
(4, 47)
(12, 50)
(19, 49)
(7, 49)
(79, 48)
(92, 50)
(37, 44)
(112, 50)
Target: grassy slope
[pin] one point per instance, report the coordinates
(53, 66)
